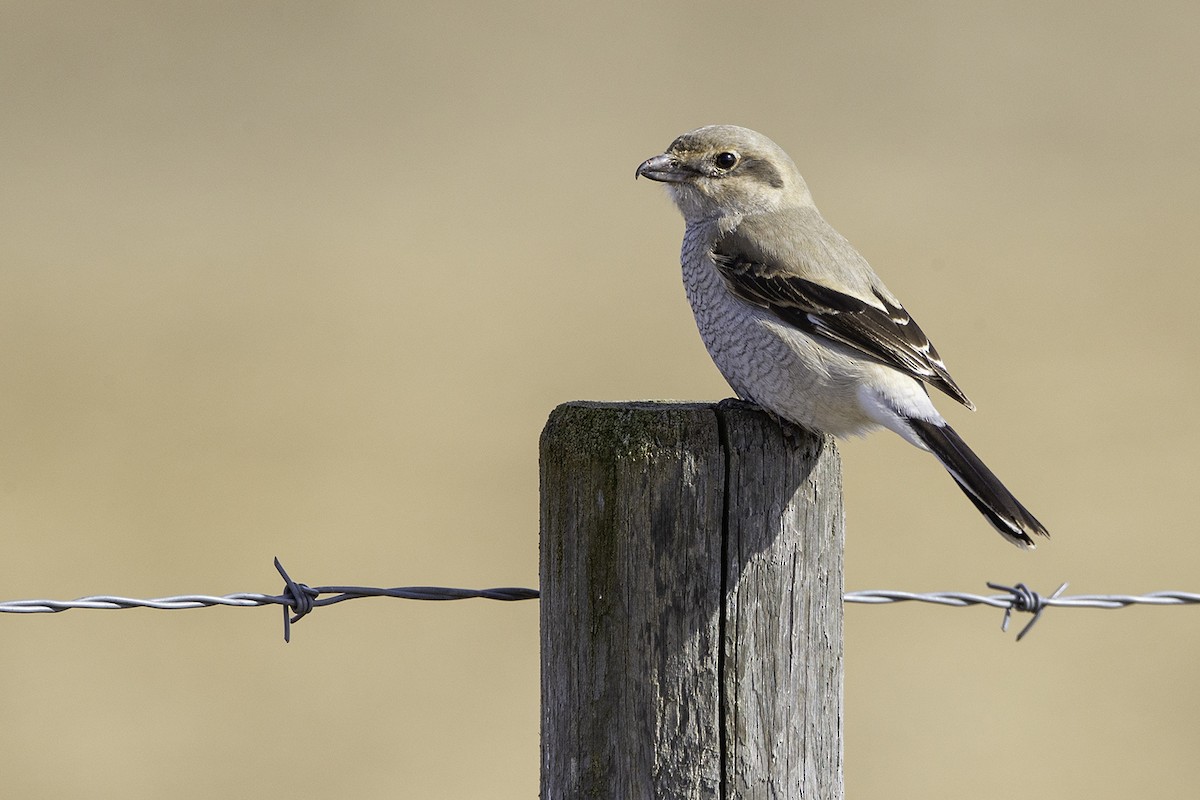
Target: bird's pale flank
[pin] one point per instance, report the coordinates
(798, 322)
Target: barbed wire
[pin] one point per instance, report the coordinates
(299, 599)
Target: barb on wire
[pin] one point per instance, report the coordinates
(298, 599)
(1024, 599)
(302, 599)
(1021, 598)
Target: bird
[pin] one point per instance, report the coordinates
(796, 320)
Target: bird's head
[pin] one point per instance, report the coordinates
(726, 171)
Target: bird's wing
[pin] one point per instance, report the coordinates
(885, 333)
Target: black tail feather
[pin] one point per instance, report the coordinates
(979, 483)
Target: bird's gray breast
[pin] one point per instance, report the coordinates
(765, 360)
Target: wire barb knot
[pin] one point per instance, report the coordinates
(297, 597)
(1024, 599)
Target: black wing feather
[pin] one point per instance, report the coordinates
(887, 334)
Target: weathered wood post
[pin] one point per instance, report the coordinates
(691, 611)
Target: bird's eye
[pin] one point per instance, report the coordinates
(726, 160)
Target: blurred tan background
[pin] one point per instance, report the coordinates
(305, 279)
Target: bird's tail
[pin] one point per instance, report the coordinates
(980, 485)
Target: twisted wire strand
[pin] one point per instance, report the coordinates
(298, 599)
(962, 599)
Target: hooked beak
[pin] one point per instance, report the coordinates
(665, 168)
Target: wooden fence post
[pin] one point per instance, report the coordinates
(691, 605)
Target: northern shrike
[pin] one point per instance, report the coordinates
(798, 322)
